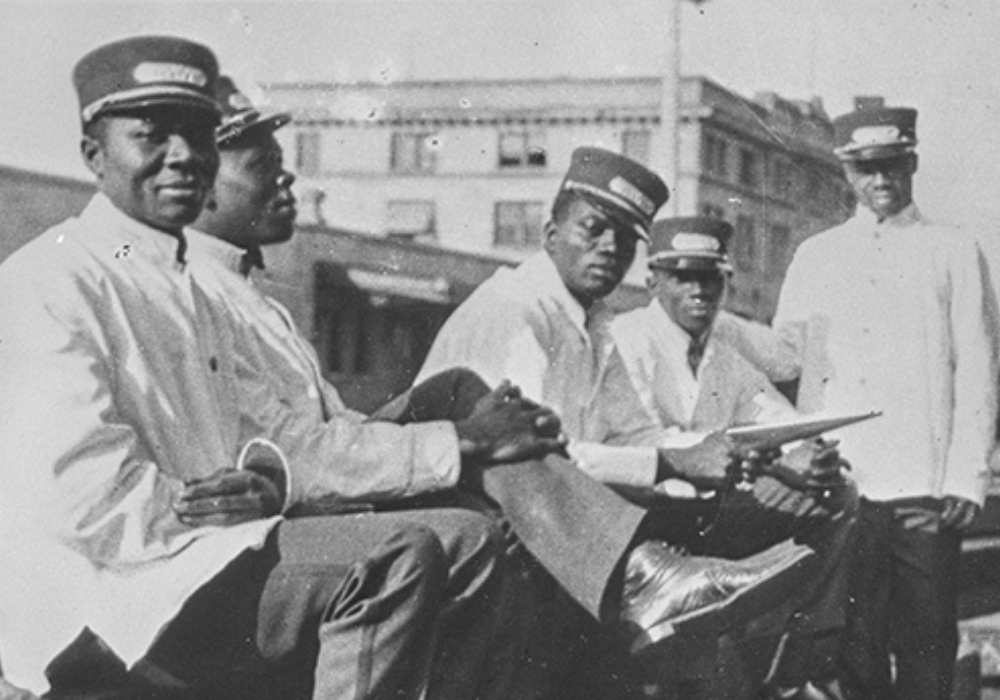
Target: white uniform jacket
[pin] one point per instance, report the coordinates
(118, 386)
(333, 453)
(523, 324)
(727, 391)
(897, 316)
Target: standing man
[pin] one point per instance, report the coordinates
(140, 510)
(892, 312)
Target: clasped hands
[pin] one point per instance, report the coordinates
(504, 426)
(718, 461)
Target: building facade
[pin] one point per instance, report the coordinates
(474, 165)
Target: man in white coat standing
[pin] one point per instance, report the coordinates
(890, 311)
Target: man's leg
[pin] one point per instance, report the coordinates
(577, 528)
(923, 617)
(745, 523)
(331, 607)
(864, 669)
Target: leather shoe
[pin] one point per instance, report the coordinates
(667, 590)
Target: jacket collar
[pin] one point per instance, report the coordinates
(206, 247)
(541, 273)
(126, 236)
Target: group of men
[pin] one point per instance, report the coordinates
(193, 512)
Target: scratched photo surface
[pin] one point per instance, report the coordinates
(429, 137)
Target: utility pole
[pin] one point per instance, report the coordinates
(667, 159)
(667, 162)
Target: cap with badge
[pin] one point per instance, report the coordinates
(690, 243)
(622, 188)
(144, 71)
(239, 116)
(874, 133)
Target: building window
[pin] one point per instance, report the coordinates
(778, 249)
(715, 156)
(713, 210)
(748, 168)
(522, 149)
(307, 153)
(411, 218)
(519, 224)
(782, 179)
(414, 152)
(635, 144)
(744, 245)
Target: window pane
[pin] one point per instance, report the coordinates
(307, 162)
(410, 217)
(519, 224)
(519, 149)
(413, 152)
(635, 145)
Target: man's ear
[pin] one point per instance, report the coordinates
(651, 282)
(93, 155)
(549, 234)
(915, 161)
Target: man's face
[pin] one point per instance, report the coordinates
(591, 250)
(884, 185)
(253, 201)
(691, 298)
(156, 164)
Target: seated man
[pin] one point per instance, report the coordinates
(582, 533)
(142, 512)
(692, 384)
(545, 326)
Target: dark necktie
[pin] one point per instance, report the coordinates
(696, 350)
(252, 258)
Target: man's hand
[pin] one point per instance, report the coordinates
(506, 427)
(705, 465)
(814, 465)
(958, 513)
(228, 497)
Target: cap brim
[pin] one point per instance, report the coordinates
(619, 216)
(267, 122)
(876, 152)
(692, 262)
(180, 99)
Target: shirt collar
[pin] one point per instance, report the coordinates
(545, 278)
(908, 216)
(676, 336)
(204, 246)
(130, 237)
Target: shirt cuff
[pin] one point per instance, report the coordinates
(267, 459)
(616, 465)
(437, 460)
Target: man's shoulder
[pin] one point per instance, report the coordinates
(55, 253)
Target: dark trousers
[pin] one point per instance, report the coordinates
(575, 527)
(904, 591)
(738, 524)
(344, 607)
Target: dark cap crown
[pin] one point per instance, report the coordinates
(239, 115)
(873, 133)
(691, 242)
(625, 189)
(143, 71)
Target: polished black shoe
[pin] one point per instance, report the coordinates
(667, 591)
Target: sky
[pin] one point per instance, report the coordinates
(940, 56)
